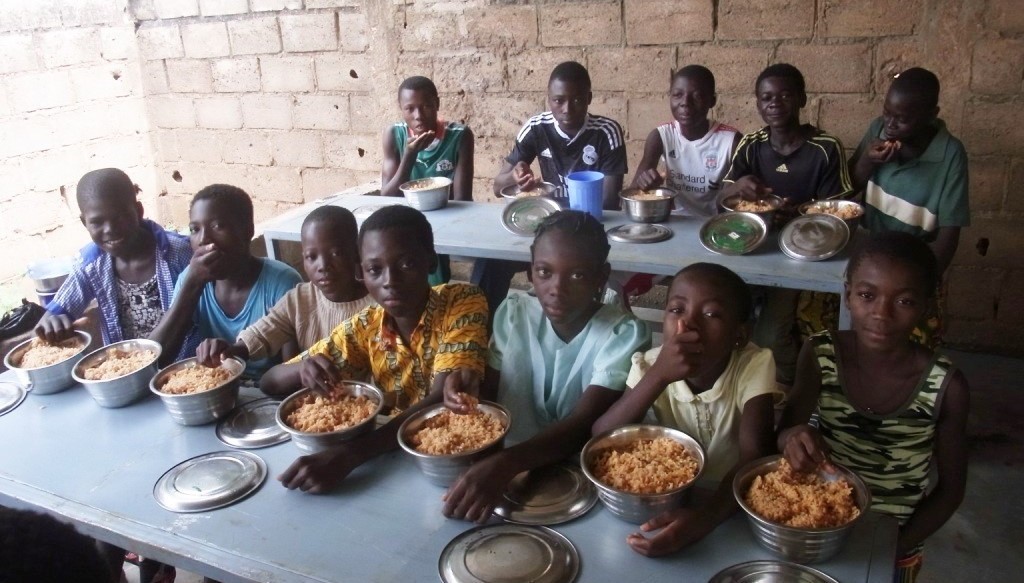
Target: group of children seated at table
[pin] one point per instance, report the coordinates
(569, 360)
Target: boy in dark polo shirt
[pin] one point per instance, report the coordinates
(563, 140)
(798, 162)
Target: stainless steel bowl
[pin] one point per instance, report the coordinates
(427, 194)
(47, 275)
(545, 189)
(648, 210)
(802, 545)
(638, 508)
(729, 203)
(46, 380)
(204, 406)
(835, 206)
(443, 470)
(315, 442)
(123, 390)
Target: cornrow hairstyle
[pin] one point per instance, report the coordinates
(586, 232)
(398, 216)
(235, 199)
(698, 73)
(418, 83)
(902, 248)
(571, 72)
(785, 71)
(725, 279)
(920, 83)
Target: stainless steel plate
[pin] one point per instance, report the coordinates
(509, 552)
(733, 233)
(814, 237)
(209, 481)
(252, 425)
(548, 495)
(11, 395)
(770, 572)
(523, 215)
(639, 233)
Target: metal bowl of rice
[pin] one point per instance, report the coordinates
(765, 207)
(194, 394)
(799, 544)
(427, 194)
(318, 422)
(544, 189)
(653, 205)
(470, 441)
(52, 374)
(652, 488)
(851, 212)
(118, 374)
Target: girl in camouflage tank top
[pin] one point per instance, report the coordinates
(885, 407)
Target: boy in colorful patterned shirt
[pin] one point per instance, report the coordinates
(416, 342)
(129, 269)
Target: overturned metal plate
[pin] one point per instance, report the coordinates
(733, 233)
(548, 495)
(11, 395)
(814, 237)
(252, 425)
(509, 552)
(523, 215)
(770, 572)
(209, 481)
(639, 233)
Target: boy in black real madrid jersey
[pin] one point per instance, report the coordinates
(797, 162)
(563, 140)
(567, 139)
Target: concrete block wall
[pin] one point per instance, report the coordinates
(288, 98)
(71, 99)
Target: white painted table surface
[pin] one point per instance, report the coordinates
(474, 229)
(96, 467)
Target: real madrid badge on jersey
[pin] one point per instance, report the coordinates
(589, 155)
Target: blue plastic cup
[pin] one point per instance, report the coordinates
(586, 192)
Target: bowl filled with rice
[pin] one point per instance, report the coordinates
(45, 368)
(444, 443)
(765, 207)
(802, 517)
(848, 210)
(118, 374)
(195, 394)
(427, 194)
(318, 421)
(653, 205)
(641, 471)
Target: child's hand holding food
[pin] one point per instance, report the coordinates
(882, 151)
(420, 142)
(523, 175)
(318, 373)
(461, 388)
(750, 187)
(804, 448)
(649, 178)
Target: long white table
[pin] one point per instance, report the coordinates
(474, 229)
(96, 467)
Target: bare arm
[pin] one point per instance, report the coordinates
(178, 320)
(647, 175)
(479, 489)
(944, 246)
(802, 444)
(612, 188)
(520, 174)
(396, 170)
(462, 189)
(951, 459)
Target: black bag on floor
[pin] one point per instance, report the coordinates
(20, 319)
